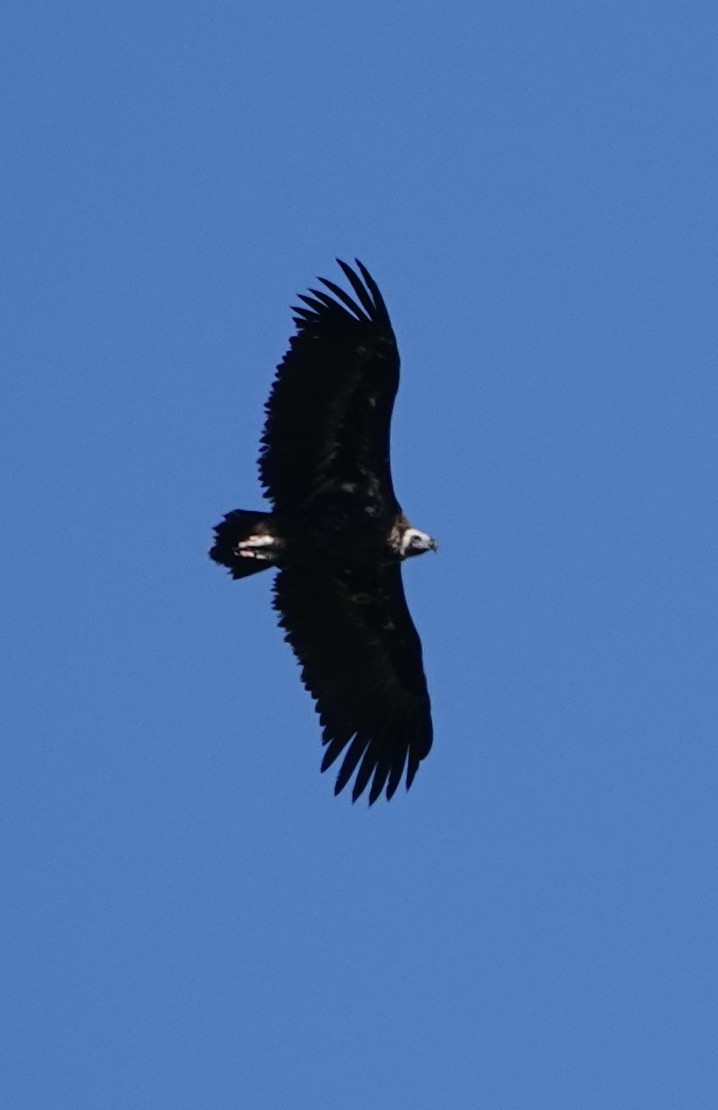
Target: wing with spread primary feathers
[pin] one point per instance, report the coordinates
(329, 412)
(361, 660)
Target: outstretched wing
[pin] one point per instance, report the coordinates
(329, 411)
(361, 660)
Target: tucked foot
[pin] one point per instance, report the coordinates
(256, 547)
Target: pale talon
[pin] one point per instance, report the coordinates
(256, 541)
(251, 548)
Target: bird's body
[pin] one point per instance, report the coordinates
(338, 535)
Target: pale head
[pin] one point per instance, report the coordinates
(414, 542)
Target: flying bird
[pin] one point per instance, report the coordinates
(337, 536)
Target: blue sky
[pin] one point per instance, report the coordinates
(190, 918)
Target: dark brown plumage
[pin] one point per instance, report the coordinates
(338, 535)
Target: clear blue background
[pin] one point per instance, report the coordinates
(191, 918)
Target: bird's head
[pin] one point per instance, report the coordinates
(414, 542)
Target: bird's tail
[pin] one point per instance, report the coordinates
(245, 542)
